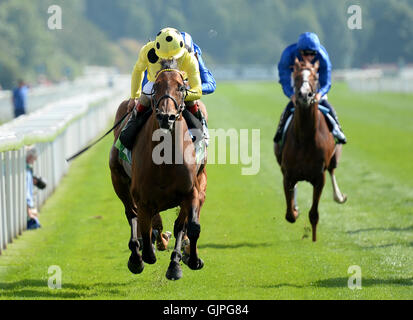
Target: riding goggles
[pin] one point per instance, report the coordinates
(309, 53)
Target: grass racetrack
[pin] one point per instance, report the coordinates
(249, 249)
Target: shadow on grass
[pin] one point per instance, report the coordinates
(343, 283)
(404, 244)
(39, 289)
(409, 228)
(234, 245)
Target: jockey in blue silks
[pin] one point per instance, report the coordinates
(308, 48)
(208, 82)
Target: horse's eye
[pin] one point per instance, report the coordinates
(182, 88)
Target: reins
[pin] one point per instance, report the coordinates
(155, 103)
(155, 106)
(92, 144)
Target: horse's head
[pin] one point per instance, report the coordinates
(305, 82)
(169, 92)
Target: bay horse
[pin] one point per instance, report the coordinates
(309, 148)
(155, 187)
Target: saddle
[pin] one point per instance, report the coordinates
(331, 123)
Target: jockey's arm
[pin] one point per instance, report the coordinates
(138, 73)
(208, 82)
(324, 73)
(284, 73)
(191, 68)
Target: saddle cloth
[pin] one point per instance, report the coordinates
(332, 124)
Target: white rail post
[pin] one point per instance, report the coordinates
(22, 196)
(9, 198)
(3, 221)
(14, 187)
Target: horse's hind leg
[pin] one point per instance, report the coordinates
(337, 195)
(162, 239)
(314, 215)
(174, 271)
(145, 224)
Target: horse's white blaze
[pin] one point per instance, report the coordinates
(338, 196)
(306, 75)
(305, 88)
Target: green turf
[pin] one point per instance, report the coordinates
(249, 249)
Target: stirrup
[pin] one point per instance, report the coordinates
(339, 135)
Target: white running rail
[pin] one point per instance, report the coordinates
(58, 130)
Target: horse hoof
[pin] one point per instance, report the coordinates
(174, 271)
(185, 258)
(148, 258)
(197, 265)
(341, 200)
(290, 218)
(135, 267)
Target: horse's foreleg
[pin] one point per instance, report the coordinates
(135, 262)
(145, 223)
(120, 183)
(194, 229)
(174, 271)
(337, 195)
(290, 191)
(318, 186)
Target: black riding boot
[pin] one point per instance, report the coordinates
(283, 119)
(200, 116)
(129, 132)
(198, 129)
(134, 125)
(337, 132)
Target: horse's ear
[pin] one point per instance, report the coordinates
(316, 65)
(296, 64)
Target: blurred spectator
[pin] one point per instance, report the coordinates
(19, 99)
(31, 181)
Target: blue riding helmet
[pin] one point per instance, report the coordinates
(188, 40)
(308, 41)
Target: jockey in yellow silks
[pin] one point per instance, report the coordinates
(169, 44)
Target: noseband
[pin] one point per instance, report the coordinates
(179, 107)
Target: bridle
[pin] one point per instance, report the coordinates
(313, 90)
(156, 103)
